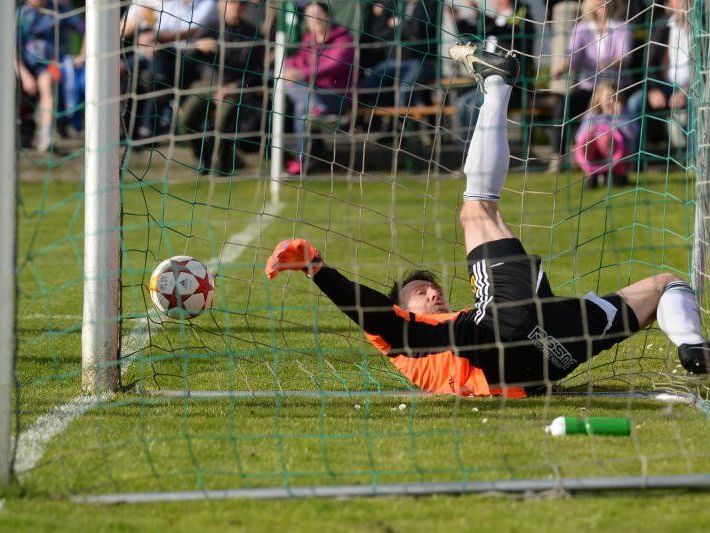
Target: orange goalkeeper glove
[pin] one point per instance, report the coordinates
(294, 254)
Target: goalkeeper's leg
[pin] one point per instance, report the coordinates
(671, 301)
(486, 165)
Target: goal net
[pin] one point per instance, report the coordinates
(228, 146)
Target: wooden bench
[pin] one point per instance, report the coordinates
(416, 112)
(422, 111)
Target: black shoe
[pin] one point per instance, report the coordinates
(481, 64)
(620, 180)
(695, 358)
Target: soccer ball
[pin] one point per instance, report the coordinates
(181, 287)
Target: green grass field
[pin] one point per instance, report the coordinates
(283, 336)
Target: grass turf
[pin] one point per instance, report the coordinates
(282, 335)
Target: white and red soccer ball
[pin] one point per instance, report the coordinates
(181, 287)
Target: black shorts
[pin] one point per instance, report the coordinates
(528, 336)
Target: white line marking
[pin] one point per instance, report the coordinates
(236, 244)
(47, 316)
(32, 443)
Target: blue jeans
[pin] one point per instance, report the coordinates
(304, 99)
(383, 75)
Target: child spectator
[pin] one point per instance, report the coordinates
(325, 60)
(606, 137)
(599, 48)
(43, 27)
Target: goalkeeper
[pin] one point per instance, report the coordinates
(518, 338)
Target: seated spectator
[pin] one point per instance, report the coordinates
(503, 27)
(325, 61)
(606, 137)
(413, 30)
(140, 18)
(237, 57)
(176, 23)
(599, 49)
(666, 87)
(42, 40)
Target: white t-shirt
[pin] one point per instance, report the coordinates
(678, 54)
(142, 13)
(176, 16)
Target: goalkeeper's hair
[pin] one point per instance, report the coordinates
(414, 275)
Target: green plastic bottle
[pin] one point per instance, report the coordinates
(593, 425)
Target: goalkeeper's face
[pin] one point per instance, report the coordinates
(423, 297)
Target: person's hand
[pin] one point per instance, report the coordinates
(206, 45)
(294, 254)
(225, 91)
(220, 94)
(146, 42)
(677, 100)
(293, 74)
(656, 99)
(559, 71)
(79, 60)
(28, 81)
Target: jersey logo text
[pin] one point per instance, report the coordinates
(556, 352)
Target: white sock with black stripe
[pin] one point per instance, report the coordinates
(678, 314)
(487, 161)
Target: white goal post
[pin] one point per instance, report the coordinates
(8, 200)
(102, 216)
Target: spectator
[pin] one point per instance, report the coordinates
(377, 39)
(408, 38)
(606, 137)
(176, 24)
(239, 55)
(503, 27)
(325, 60)
(598, 50)
(136, 60)
(668, 67)
(43, 30)
(140, 16)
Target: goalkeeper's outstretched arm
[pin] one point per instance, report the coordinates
(374, 312)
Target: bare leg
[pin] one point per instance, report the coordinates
(46, 107)
(671, 301)
(482, 222)
(486, 168)
(643, 296)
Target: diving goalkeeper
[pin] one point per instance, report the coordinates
(518, 338)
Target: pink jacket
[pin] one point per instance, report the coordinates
(330, 63)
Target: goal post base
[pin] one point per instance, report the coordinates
(569, 485)
(661, 396)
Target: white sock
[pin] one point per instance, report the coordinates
(678, 314)
(486, 165)
(44, 137)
